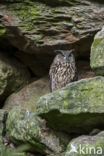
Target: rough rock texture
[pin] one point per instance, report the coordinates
(3, 40)
(76, 108)
(25, 127)
(13, 75)
(1, 124)
(28, 96)
(86, 143)
(35, 27)
(63, 2)
(97, 53)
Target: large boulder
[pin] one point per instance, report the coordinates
(38, 28)
(97, 53)
(76, 108)
(86, 145)
(13, 75)
(28, 96)
(23, 127)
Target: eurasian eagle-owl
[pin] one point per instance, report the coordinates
(63, 69)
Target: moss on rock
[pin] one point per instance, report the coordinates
(2, 112)
(97, 54)
(13, 75)
(76, 108)
(23, 127)
(38, 27)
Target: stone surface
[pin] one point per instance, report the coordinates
(35, 27)
(13, 75)
(29, 95)
(2, 112)
(3, 40)
(97, 53)
(87, 145)
(76, 108)
(23, 127)
(62, 2)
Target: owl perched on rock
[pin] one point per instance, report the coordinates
(63, 69)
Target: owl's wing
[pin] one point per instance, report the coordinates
(75, 75)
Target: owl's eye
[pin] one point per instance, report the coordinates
(70, 54)
(62, 54)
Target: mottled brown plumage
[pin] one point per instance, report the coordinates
(63, 69)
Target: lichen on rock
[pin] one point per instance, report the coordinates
(76, 108)
(97, 53)
(23, 127)
(13, 75)
(40, 27)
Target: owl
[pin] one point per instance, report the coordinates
(63, 69)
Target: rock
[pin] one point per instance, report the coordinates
(94, 131)
(97, 53)
(3, 148)
(6, 151)
(38, 28)
(63, 2)
(2, 112)
(13, 75)
(28, 96)
(23, 127)
(77, 108)
(3, 39)
(86, 145)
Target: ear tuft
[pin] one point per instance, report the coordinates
(72, 50)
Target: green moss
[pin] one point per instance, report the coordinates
(2, 30)
(26, 13)
(55, 24)
(78, 102)
(65, 104)
(96, 42)
(97, 56)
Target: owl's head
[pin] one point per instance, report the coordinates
(65, 53)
